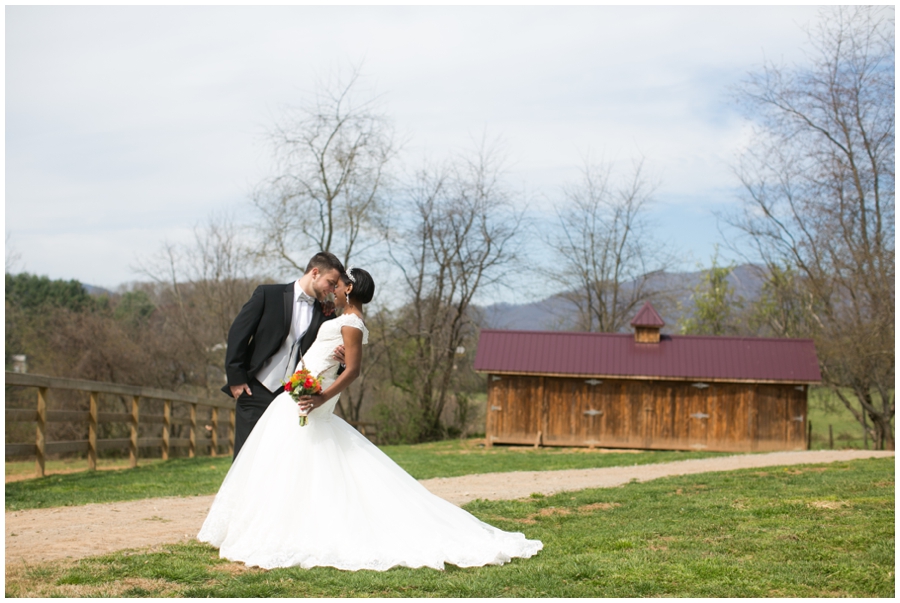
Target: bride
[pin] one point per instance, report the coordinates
(323, 495)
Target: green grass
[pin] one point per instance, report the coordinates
(26, 469)
(204, 475)
(178, 477)
(805, 531)
(452, 458)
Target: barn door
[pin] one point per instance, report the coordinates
(575, 411)
(611, 399)
(698, 410)
(657, 414)
(797, 400)
(730, 420)
(514, 405)
(771, 417)
(590, 411)
(561, 397)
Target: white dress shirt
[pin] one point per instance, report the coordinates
(271, 374)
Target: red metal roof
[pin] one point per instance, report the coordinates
(648, 317)
(674, 357)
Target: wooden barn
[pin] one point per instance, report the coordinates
(646, 389)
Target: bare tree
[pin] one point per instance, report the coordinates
(784, 307)
(603, 247)
(819, 201)
(458, 236)
(201, 288)
(332, 158)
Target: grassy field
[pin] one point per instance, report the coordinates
(26, 469)
(203, 475)
(824, 409)
(806, 531)
(466, 457)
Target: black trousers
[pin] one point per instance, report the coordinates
(248, 410)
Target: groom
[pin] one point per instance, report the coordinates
(270, 333)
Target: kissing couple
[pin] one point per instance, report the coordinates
(322, 494)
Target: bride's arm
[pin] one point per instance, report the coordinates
(352, 358)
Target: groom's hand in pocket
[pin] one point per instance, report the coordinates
(237, 390)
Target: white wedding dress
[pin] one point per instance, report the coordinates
(323, 495)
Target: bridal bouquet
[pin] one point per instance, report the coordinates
(303, 383)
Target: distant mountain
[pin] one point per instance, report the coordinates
(557, 314)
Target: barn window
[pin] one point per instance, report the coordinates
(700, 385)
(593, 382)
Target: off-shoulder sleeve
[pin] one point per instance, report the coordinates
(352, 320)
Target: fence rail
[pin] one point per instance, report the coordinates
(41, 416)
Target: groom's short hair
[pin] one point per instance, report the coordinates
(325, 261)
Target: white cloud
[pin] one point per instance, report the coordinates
(148, 118)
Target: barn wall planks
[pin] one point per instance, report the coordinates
(669, 415)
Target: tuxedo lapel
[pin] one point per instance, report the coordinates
(288, 309)
(310, 336)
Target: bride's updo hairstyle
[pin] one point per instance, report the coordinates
(363, 285)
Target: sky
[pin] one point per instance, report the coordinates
(129, 126)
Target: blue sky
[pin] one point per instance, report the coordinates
(128, 126)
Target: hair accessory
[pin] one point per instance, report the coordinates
(350, 274)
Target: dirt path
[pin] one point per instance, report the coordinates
(68, 533)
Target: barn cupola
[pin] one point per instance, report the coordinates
(647, 324)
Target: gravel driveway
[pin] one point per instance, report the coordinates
(67, 533)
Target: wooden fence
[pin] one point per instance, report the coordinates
(41, 447)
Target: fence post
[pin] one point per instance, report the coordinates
(192, 448)
(133, 444)
(231, 432)
(167, 425)
(92, 433)
(215, 431)
(809, 435)
(830, 438)
(41, 432)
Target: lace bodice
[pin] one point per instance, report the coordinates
(319, 358)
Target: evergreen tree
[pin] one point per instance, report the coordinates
(715, 307)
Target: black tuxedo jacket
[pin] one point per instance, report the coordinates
(260, 328)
